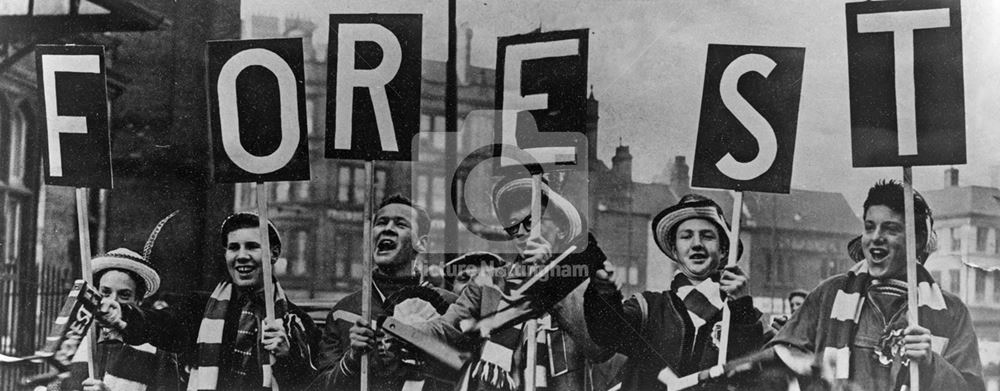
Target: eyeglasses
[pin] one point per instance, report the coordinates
(516, 227)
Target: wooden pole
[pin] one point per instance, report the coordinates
(912, 316)
(366, 279)
(734, 256)
(265, 255)
(451, 129)
(83, 226)
(531, 326)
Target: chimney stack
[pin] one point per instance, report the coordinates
(621, 163)
(679, 177)
(951, 177)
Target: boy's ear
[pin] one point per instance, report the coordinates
(421, 244)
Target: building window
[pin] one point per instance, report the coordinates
(310, 114)
(15, 172)
(438, 140)
(341, 262)
(343, 183)
(299, 257)
(460, 136)
(956, 281)
(956, 239)
(936, 275)
(347, 260)
(437, 203)
(425, 123)
(439, 123)
(996, 287)
(980, 285)
(302, 190)
(780, 272)
(379, 186)
(359, 185)
(996, 241)
(982, 234)
(422, 188)
(14, 194)
(281, 191)
(439, 132)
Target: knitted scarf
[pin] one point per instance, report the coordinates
(495, 368)
(131, 369)
(210, 345)
(703, 301)
(850, 299)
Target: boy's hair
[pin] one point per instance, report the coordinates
(889, 193)
(797, 293)
(242, 220)
(423, 219)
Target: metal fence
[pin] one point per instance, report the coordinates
(23, 327)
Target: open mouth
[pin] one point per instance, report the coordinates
(878, 254)
(245, 269)
(698, 256)
(385, 245)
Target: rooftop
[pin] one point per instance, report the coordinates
(959, 201)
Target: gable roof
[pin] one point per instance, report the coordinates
(816, 211)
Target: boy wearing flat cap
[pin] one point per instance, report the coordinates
(678, 328)
(225, 332)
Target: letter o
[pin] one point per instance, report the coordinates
(229, 123)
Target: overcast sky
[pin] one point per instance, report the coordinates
(647, 64)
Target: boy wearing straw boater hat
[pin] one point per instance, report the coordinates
(225, 332)
(563, 347)
(128, 278)
(678, 328)
(856, 323)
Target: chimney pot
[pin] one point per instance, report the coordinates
(951, 177)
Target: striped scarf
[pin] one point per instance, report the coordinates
(495, 368)
(131, 369)
(703, 301)
(850, 299)
(210, 345)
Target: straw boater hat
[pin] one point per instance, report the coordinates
(516, 193)
(690, 206)
(125, 259)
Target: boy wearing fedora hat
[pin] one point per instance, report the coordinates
(856, 322)
(225, 332)
(678, 328)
